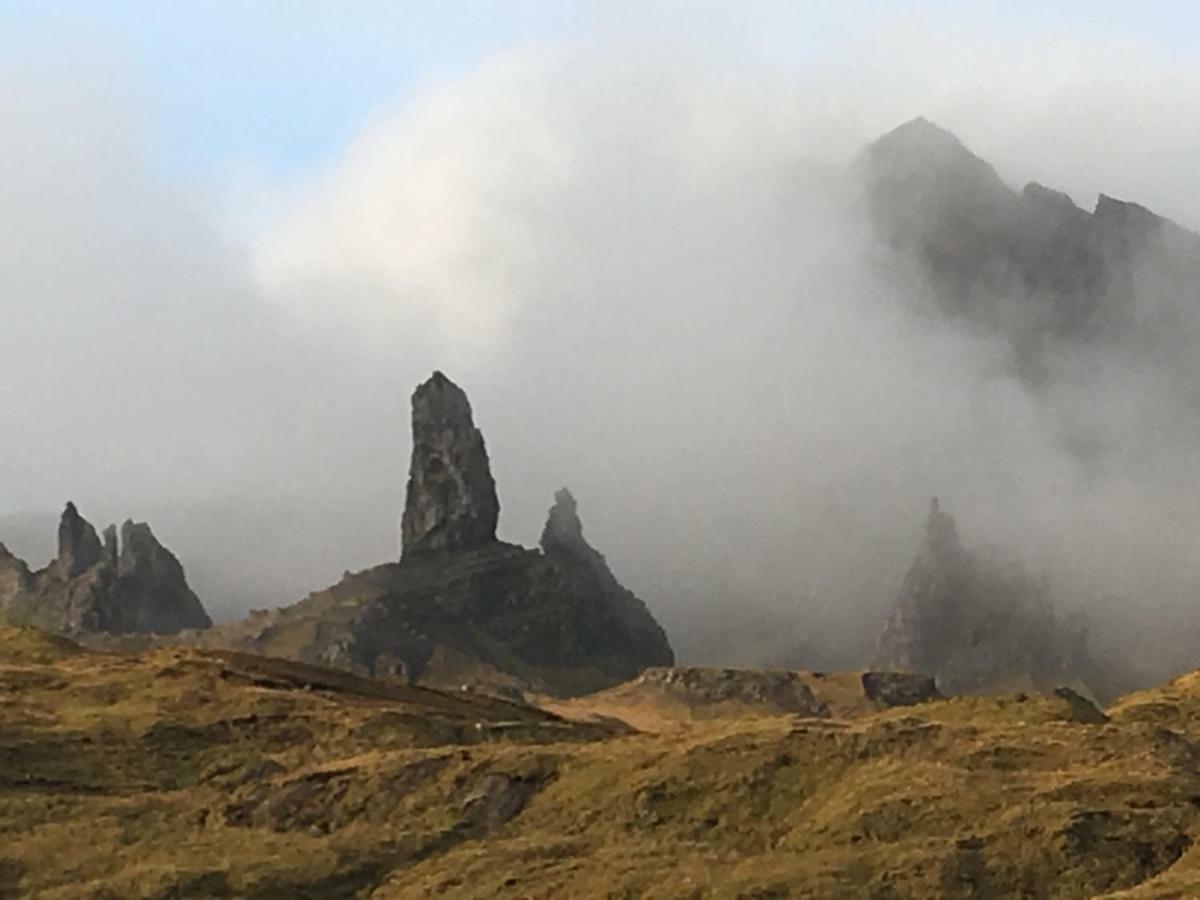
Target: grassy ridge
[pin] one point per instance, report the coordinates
(179, 772)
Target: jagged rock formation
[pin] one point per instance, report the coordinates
(134, 585)
(451, 499)
(78, 546)
(977, 624)
(563, 542)
(1029, 264)
(462, 608)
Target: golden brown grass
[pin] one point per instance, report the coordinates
(185, 773)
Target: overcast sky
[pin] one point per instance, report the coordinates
(233, 237)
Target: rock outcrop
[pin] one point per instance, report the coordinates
(15, 577)
(977, 624)
(78, 545)
(451, 498)
(769, 691)
(1029, 264)
(563, 532)
(890, 689)
(462, 608)
(134, 585)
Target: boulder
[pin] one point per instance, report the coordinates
(890, 689)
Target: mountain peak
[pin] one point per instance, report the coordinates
(921, 136)
(922, 166)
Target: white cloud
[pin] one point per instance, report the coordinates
(424, 222)
(636, 257)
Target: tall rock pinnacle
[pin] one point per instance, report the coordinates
(564, 531)
(451, 499)
(78, 544)
(152, 588)
(978, 622)
(941, 543)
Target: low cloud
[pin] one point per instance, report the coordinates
(648, 268)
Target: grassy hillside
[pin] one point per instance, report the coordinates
(188, 773)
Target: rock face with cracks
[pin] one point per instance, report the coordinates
(462, 608)
(134, 585)
(451, 498)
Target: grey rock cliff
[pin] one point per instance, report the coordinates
(451, 499)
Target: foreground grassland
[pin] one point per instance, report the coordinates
(187, 773)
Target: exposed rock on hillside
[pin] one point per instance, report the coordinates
(671, 699)
(135, 585)
(765, 690)
(451, 499)
(976, 624)
(889, 689)
(461, 608)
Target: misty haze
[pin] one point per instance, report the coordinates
(637, 395)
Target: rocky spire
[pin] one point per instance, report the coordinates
(563, 537)
(564, 531)
(110, 546)
(152, 591)
(78, 545)
(940, 543)
(451, 499)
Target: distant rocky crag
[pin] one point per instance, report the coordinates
(977, 624)
(1029, 264)
(462, 608)
(126, 585)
